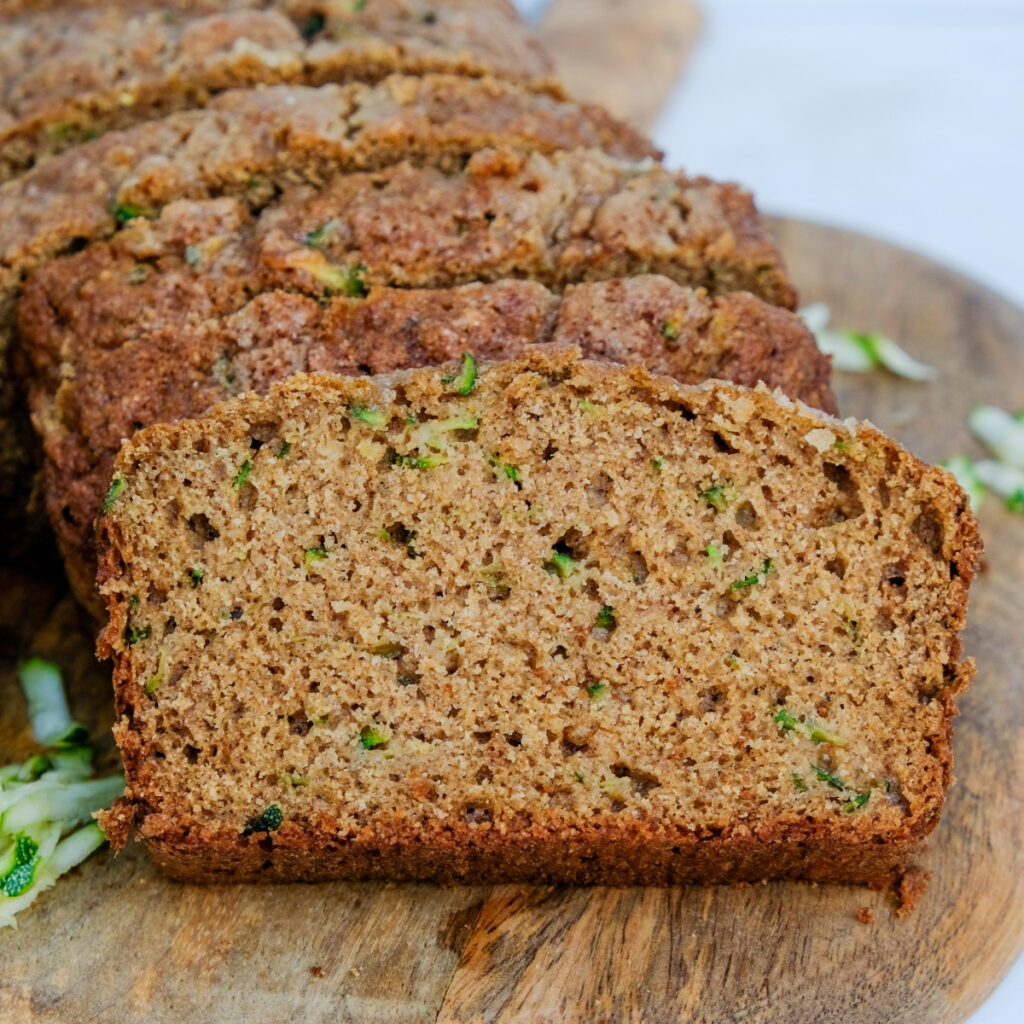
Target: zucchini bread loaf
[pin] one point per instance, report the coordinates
(547, 619)
(252, 145)
(71, 73)
(110, 357)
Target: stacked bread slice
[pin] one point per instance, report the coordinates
(70, 74)
(209, 299)
(528, 615)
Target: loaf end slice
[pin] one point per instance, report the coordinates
(555, 620)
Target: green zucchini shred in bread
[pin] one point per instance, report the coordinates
(113, 493)
(468, 731)
(462, 383)
(269, 821)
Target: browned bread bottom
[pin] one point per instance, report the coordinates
(562, 622)
(603, 854)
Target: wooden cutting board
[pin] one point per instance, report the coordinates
(622, 54)
(117, 943)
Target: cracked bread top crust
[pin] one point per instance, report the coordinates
(255, 143)
(557, 218)
(70, 74)
(700, 632)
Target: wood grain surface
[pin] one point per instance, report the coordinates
(622, 54)
(114, 942)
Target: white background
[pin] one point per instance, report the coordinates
(902, 119)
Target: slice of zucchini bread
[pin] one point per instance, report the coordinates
(70, 74)
(110, 356)
(547, 619)
(253, 144)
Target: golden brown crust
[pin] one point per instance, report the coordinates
(558, 219)
(721, 793)
(70, 75)
(249, 143)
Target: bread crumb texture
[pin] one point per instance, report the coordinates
(541, 619)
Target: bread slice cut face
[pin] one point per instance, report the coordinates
(537, 619)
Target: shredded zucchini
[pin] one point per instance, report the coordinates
(47, 801)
